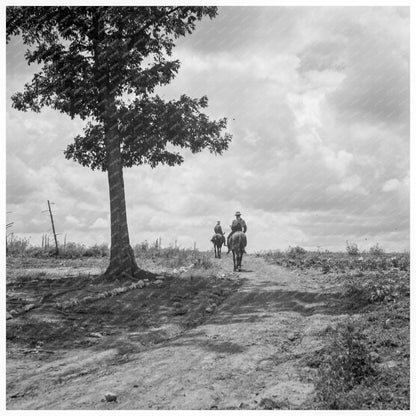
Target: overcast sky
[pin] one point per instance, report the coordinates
(317, 100)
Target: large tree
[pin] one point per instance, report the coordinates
(103, 64)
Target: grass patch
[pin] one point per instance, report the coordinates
(345, 366)
(366, 361)
(326, 262)
(376, 287)
(362, 368)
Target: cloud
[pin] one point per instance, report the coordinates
(72, 221)
(376, 86)
(395, 184)
(100, 223)
(317, 102)
(351, 184)
(19, 182)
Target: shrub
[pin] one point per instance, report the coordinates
(376, 288)
(352, 249)
(76, 250)
(294, 252)
(204, 263)
(96, 250)
(326, 266)
(376, 250)
(72, 250)
(346, 365)
(16, 246)
(404, 262)
(142, 248)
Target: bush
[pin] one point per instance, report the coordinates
(96, 250)
(352, 249)
(204, 263)
(346, 365)
(72, 250)
(294, 252)
(376, 250)
(16, 246)
(377, 287)
(75, 250)
(141, 248)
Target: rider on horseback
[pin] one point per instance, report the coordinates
(218, 230)
(237, 225)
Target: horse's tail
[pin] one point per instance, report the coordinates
(218, 238)
(238, 241)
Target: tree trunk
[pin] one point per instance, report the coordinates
(122, 261)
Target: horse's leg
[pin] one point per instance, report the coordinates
(240, 258)
(234, 261)
(219, 252)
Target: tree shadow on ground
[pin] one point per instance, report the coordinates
(199, 339)
(191, 339)
(255, 305)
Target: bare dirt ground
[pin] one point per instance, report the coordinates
(250, 349)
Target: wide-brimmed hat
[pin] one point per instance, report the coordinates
(237, 213)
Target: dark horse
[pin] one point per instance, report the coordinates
(218, 240)
(237, 243)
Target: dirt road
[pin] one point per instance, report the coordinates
(251, 353)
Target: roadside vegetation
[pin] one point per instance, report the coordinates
(51, 298)
(365, 363)
(19, 250)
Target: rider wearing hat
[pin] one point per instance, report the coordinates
(237, 225)
(218, 230)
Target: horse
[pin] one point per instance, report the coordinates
(237, 243)
(218, 240)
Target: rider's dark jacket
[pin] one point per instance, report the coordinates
(218, 229)
(239, 225)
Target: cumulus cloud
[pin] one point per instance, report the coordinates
(376, 86)
(72, 221)
(19, 182)
(100, 223)
(396, 184)
(317, 100)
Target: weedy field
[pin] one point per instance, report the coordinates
(366, 361)
(350, 351)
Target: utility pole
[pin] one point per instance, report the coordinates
(53, 229)
(9, 225)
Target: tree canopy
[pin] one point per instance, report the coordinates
(89, 54)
